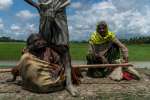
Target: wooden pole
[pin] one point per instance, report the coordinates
(5, 70)
(103, 65)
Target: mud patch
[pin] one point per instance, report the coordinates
(90, 89)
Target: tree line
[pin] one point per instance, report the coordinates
(8, 39)
(134, 40)
(137, 40)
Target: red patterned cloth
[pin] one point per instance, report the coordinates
(127, 76)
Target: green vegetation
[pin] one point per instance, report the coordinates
(12, 51)
(139, 52)
(78, 50)
(137, 40)
(9, 39)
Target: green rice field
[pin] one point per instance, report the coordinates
(12, 51)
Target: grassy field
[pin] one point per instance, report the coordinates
(139, 52)
(12, 51)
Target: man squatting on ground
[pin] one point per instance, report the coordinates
(54, 29)
(104, 48)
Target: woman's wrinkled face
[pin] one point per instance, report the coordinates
(102, 30)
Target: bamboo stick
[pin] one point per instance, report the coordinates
(4, 70)
(103, 65)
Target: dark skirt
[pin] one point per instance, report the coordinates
(112, 54)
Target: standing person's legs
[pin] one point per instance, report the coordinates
(63, 41)
(55, 32)
(64, 53)
(67, 63)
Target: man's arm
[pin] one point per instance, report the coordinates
(123, 48)
(34, 4)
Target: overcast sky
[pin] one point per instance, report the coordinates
(125, 17)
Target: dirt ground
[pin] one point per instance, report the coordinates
(89, 89)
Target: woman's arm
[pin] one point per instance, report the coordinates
(123, 48)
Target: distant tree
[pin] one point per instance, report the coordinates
(8, 39)
(137, 40)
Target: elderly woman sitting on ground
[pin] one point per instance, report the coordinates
(104, 48)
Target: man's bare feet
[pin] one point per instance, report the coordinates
(11, 80)
(72, 90)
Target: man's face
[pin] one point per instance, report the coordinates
(102, 30)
